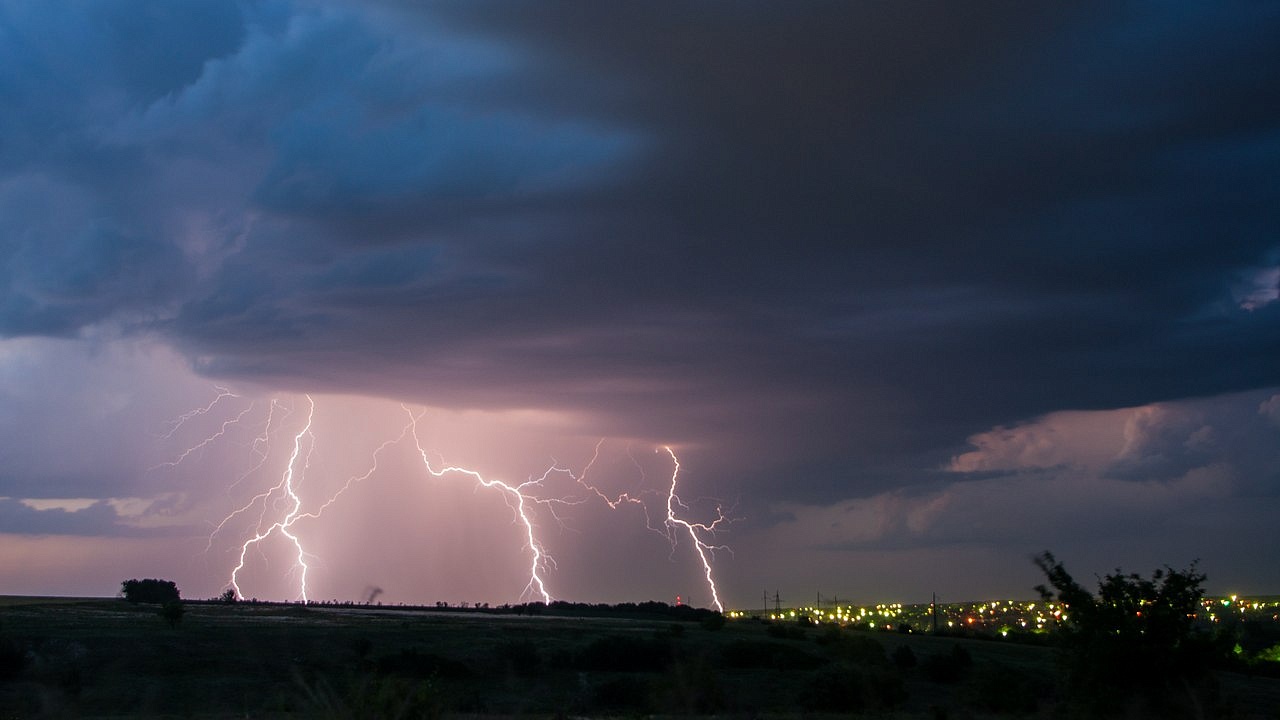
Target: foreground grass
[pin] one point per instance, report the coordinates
(107, 658)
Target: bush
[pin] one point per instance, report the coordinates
(620, 692)
(1134, 639)
(419, 665)
(372, 698)
(689, 687)
(1000, 689)
(785, 632)
(904, 658)
(521, 657)
(845, 688)
(150, 590)
(172, 612)
(625, 653)
(713, 622)
(949, 668)
(860, 650)
(757, 655)
(13, 657)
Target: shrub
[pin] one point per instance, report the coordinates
(521, 657)
(1000, 689)
(860, 650)
(757, 655)
(689, 687)
(846, 688)
(785, 632)
(620, 692)
(150, 590)
(949, 668)
(413, 664)
(625, 653)
(714, 621)
(13, 656)
(371, 697)
(172, 612)
(904, 658)
(1134, 639)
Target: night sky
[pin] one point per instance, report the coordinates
(916, 290)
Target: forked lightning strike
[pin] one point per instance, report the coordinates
(222, 430)
(283, 526)
(693, 529)
(516, 498)
(672, 524)
(182, 419)
(524, 498)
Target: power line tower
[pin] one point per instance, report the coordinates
(777, 601)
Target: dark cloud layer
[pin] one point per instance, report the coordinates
(98, 519)
(828, 240)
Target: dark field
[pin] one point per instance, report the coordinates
(108, 658)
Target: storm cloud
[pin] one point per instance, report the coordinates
(844, 253)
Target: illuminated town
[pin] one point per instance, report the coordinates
(994, 617)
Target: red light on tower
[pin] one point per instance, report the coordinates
(678, 603)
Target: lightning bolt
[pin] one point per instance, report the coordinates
(673, 526)
(519, 499)
(284, 525)
(222, 430)
(261, 445)
(356, 479)
(695, 530)
(528, 500)
(182, 419)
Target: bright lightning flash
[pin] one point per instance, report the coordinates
(524, 499)
(694, 530)
(283, 526)
(673, 525)
(518, 498)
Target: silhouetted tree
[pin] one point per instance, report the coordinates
(1135, 637)
(172, 611)
(150, 590)
(229, 596)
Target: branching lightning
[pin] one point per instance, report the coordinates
(222, 430)
(281, 506)
(283, 526)
(694, 530)
(517, 497)
(182, 419)
(673, 524)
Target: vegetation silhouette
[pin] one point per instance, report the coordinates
(330, 659)
(150, 590)
(1135, 643)
(172, 612)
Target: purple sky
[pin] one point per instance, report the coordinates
(915, 291)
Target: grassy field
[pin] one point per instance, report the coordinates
(108, 658)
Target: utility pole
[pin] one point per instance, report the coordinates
(934, 608)
(764, 597)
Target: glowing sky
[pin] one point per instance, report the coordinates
(916, 290)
